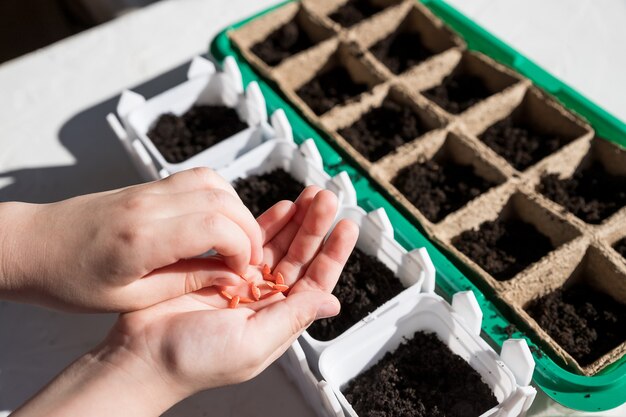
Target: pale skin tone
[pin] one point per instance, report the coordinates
(129, 250)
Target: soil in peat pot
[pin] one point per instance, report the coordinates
(438, 189)
(592, 194)
(178, 138)
(284, 42)
(383, 129)
(620, 247)
(422, 378)
(519, 143)
(354, 11)
(458, 92)
(364, 285)
(583, 321)
(401, 50)
(330, 89)
(260, 192)
(503, 247)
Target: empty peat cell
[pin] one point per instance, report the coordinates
(620, 247)
(284, 42)
(458, 92)
(178, 138)
(260, 192)
(520, 143)
(421, 378)
(438, 188)
(585, 322)
(354, 11)
(382, 129)
(329, 89)
(364, 285)
(401, 50)
(592, 193)
(503, 247)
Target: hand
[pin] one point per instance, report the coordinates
(155, 357)
(127, 249)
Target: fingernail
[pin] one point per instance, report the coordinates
(327, 310)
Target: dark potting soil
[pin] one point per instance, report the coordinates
(260, 192)
(519, 143)
(503, 247)
(458, 92)
(364, 285)
(284, 42)
(422, 378)
(178, 138)
(401, 50)
(592, 194)
(620, 247)
(583, 321)
(383, 129)
(353, 12)
(438, 189)
(330, 89)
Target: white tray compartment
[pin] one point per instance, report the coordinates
(414, 269)
(204, 86)
(303, 163)
(361, 349)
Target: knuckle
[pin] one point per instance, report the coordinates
(135, 203)
(211, 222)
(131, 235)
(192, 283)
(220, 199)
(205, 176)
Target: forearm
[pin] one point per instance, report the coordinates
(107, 381)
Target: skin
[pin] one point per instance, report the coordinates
(176, 336)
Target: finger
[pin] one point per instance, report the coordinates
(276, 248)
(271, 329)
(197, 233)
(195, 179)
(324, 271)
(305, 245)
(275, 218)
(218, 201)
(183, 277)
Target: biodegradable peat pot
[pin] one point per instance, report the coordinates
(506, 378)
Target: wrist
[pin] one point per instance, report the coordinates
(15, 279)
(109, 380)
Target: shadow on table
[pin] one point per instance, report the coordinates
(101, 161)
(36, 343)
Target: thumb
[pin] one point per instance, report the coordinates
(282, 322)
(182, 277)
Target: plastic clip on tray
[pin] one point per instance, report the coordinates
(413, 269)
(205, 86)
(451, 131)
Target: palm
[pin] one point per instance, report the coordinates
(202, 338)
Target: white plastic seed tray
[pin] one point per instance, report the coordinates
(205, 85)
(458, 326)
(414, 269)
(303, 163)
(317, 394)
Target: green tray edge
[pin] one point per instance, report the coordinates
(600, 392)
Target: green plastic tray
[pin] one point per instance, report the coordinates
(603, 391)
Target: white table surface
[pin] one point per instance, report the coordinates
(56, 144)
